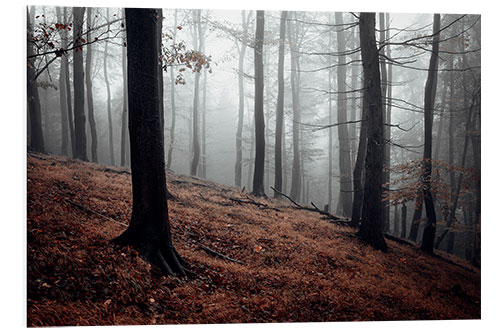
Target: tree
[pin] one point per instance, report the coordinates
(108, 96)
(343, 130)
(172, 101)
(260, 141)
(124, 139)
(372, 218)
(430, 94)
(88, 81)
(278, 165)
(149, 229)
(80, 151)
(296, 164)
(63, 104)
(197, 38)
(245, 19)
(36, 133)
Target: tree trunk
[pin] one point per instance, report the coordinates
(36, 141)
(62, 95)
(203, 165)
(149, 229)
(343, 129)
(430, 93)
(260, 141)
(372, 219)
(278, 165)
(196, 132)
(357, 175)
(403, 221)
(88, 81)
(172, 100)
(108, 97)
(296, 179)
(124, 139)
(80, 151)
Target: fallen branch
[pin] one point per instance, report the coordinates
(120, 172)
(253, 202)
(77, 205)
(286, 196)
(220, 255)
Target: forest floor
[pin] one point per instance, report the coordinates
(293, 266)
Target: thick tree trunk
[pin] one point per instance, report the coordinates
(372, 219)
(80, 151)
(88, 81)
(149, 229)
(430, 93)
(260, 141)
(278, 165)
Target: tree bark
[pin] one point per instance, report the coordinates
(260, 141)
(88, 81)
(149, 229)
(80, 151)
(62, 95)
(430, 93)
(278, 153)
(372, 219)
(403, 221)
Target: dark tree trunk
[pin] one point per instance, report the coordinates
(430, 93)
(36, 142)
(372, 219)
(296, 171)
(172, 101)
(108, 98)
(343, 129)
(88, 81)
(62, 95)
(357, 175)
(124, 126)
(403, 221)
(80, 151)
(417, 217)
(278, 165)
(149, 229)
(260, 141)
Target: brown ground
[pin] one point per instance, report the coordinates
(297, 267)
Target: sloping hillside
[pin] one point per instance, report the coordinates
(292, 265)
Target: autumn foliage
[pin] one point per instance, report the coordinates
(294, 266)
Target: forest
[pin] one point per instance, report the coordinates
(243, 166)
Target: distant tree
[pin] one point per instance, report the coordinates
(63, 104)
(173, 111)
(36, 142)
(149, 229)
(260, 141)
(372, 218)
(108, 95)
(88, 81)
(197, 40)
(278, 166)
(80, 151)
(343, 129)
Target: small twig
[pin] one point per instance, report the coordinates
(220, 255)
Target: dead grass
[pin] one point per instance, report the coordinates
(297, 267)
